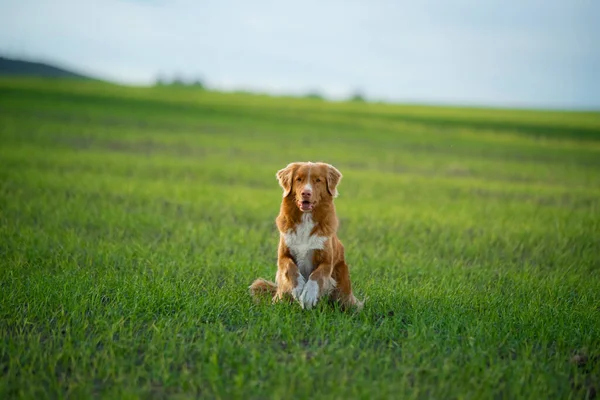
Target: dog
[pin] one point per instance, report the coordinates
(310, 261)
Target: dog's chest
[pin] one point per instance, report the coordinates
(302, 244)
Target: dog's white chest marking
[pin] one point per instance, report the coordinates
(302, 244)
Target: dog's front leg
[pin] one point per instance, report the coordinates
(319, 283)
(288, 279)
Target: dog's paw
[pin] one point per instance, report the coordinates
(297, 291)
(309, 295)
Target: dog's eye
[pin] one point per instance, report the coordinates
(318, 179)
(298, 179)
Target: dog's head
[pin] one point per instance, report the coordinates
(309, 183)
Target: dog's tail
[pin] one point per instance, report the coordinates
(261, 287)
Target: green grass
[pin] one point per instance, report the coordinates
(133, 220)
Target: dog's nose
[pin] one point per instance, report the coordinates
(306, 193)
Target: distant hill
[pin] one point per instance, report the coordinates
(28, 68)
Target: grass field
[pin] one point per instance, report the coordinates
(133, 220)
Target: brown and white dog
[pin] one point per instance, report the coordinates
(310, 262)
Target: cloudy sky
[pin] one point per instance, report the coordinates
(522, 53)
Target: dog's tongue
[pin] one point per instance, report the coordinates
(306, 205)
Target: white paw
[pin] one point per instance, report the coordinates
(310, 295)
(297, 291)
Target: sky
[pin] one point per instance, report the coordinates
(510, 53)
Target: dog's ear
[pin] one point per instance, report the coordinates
(333, 179)
(286, 177)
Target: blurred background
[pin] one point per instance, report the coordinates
(532, 53)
